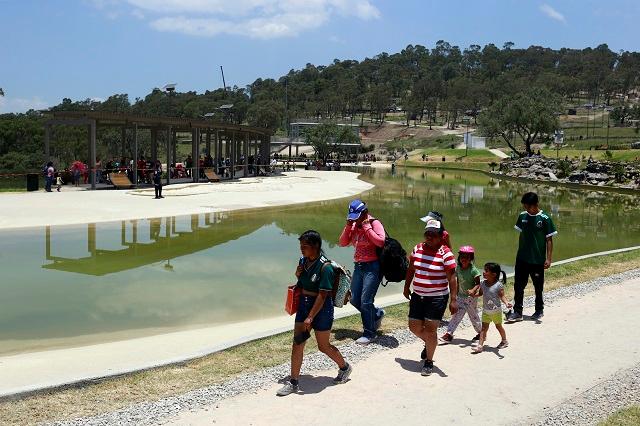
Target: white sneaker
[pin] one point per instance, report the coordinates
(365, 340)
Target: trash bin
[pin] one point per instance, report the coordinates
(32, 182)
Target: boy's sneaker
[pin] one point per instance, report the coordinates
(379, 320)
(503, 344)
(537, 315)
(288, 389)
(475, 339)
(343, 375)
(365, 340)
(446, 338)
(423, 354)
(427, 369)
(515, 317)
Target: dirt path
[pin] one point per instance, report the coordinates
(580, 342)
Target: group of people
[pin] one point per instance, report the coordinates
(435, 280)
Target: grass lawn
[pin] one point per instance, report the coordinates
(412, 144)
(618, 155)
(177, 379)
(626, 417)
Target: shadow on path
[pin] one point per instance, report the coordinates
(416, 366)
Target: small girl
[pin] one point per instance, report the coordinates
(468, 279)
(492, 292)
(58, 183)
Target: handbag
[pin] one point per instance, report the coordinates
(293, 299)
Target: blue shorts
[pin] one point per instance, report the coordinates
(323, 320)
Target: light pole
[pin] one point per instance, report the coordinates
(608, 117)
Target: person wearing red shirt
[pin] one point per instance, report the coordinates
(366, 234)
(432, 273)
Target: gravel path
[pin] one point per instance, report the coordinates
(597, 402)
(590, 407)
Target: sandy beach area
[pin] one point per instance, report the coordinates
(71, 207)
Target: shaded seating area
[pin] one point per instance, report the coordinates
(211, 175)
(120, 181)
(209, 139)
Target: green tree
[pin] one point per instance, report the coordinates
(327, 138)
(531, 115)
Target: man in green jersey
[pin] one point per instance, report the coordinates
(535, 250)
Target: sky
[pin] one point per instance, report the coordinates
(52, 49)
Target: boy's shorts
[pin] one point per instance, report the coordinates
(492, 317)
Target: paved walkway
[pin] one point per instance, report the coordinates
(498, 153)
(580, 342)
(71, 206)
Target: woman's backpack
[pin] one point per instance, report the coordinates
(341, 284)
(393, 260)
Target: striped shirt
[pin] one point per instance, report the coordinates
(431, 266)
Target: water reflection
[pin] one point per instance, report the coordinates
(143, 242)
(65, 286)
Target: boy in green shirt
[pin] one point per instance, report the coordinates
(535, 250)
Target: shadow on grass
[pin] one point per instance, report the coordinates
(415, 366)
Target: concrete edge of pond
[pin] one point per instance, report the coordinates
(277, 325)
(569, 185)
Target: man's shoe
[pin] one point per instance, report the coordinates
(365, 340)
(446, 338)
(379, 320)
(288, 389)
(515, 317)
(537, 315)
(427, 369)
(343, 375)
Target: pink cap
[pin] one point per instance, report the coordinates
(466, 249)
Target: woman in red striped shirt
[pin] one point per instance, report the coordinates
(432, 271)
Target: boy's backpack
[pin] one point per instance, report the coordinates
(393, 260)
(341, 293)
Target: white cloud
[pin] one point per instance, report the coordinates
(9, 104)
(552, 13)
(252, 18)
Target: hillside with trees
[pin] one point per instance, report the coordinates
(442, 83)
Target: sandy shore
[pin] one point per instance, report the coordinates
(73, 207)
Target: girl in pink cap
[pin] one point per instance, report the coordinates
(468, 279)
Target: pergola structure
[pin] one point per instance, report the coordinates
(229, 140)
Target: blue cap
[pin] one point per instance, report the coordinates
(356, 207)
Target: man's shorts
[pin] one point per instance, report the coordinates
(492, 317)
(430, 308)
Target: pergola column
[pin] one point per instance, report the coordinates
(169, 140)
(233, 154)
(154, 146)
(123, 139)
(135, 154)
(174, 141)
(245, 149)
(92, 154)
(208, 143)
(195, 148)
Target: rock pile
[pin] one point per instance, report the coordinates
(600, 173)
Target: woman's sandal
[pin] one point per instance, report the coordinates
(477, 350)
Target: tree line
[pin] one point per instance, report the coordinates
(444, 81)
